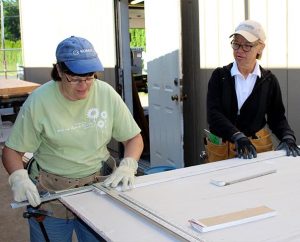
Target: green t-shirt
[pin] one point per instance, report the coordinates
(69, 138)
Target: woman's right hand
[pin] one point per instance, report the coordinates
(243, 146)
(23, 188)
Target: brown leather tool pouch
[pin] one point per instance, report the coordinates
(216, 152)
(48, 182)
(262, 142)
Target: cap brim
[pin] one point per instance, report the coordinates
(85, 66)
(246, 35)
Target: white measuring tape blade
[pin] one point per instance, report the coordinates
(52, 196)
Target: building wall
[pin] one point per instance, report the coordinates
(45, 23)
(280, 18)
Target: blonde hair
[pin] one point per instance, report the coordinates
(259, 55)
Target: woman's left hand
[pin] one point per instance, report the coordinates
(290, 146)
(125, 173)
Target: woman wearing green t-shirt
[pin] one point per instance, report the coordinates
(67, 123)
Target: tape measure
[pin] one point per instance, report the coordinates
(55, 195)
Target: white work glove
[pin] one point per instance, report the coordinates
(23, 188)
(125, 173)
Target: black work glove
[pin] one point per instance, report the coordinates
(243, 146)
(288, 143)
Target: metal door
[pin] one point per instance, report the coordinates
(163, 39)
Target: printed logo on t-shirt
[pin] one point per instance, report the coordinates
(96, 118)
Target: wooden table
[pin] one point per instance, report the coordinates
(187, 193)
(9, 88)
(13, 94)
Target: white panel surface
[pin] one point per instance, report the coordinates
(273, 19)
(280, 19)
(217, 21)
(293, 19)
(45, 23)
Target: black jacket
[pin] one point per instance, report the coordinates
(263, 106)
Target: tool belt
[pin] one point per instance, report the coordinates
(262, 141)
(48, 182)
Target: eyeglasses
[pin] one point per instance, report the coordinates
(76, 80)
(245, 47)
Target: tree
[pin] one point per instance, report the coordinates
(11, 20)
(137, 38)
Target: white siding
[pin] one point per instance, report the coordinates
(280, 19)
(45, 23)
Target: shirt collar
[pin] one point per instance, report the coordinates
(235, 71)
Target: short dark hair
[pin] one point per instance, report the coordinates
(55, 75)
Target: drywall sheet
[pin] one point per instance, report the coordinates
(187, 193)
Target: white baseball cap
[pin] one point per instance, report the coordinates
(250, 30)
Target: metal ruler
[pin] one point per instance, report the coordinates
(126, 200)
(150, 214)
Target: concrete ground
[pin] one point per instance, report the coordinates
(13, 227)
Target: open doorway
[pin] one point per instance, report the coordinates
(137, 34)
(161, 120)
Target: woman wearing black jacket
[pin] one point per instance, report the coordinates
(243, 97)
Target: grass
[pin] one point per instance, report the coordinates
(10, 58)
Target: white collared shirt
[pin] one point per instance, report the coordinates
(244, 87)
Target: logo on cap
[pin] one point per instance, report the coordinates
(86, 50)
(75, 52)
